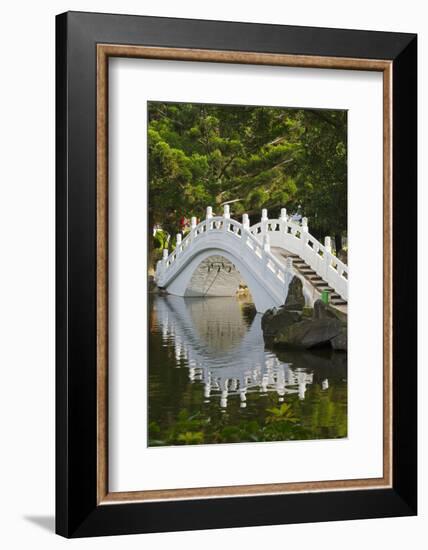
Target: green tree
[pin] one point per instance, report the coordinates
(258, 157)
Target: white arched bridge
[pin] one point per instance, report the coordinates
(219, 253)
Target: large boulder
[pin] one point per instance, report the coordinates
(340, 342)
(276, 319)
(295, 300)
(327, 311)
(308, 334)
(291, 330)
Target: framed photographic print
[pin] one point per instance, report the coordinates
(236, 245)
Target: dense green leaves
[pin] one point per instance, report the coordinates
(324, 415)
(258, 157)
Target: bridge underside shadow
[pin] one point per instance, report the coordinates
(214, 276)
(216, 272)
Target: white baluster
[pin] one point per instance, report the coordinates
(327, 244)
(245, 221)
(305, 225)
(193, 222)
(283, 221)
(226, 209)
(306, 252)
(266, 243)
(209, 212)
(159, 266)
(325, 271)
(165, 254)
(264, 220)
(178, 243)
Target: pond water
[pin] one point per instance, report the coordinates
(211, 380)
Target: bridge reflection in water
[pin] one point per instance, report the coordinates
(225, 353)
(211, 380)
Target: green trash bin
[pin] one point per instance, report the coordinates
(325, 296)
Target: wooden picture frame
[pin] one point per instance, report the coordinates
(85, 42)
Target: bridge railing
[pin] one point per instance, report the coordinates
(295, 237)
(255, 251)
(256, 242)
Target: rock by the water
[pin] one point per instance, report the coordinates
(274, 320)
(291, 330)
(295, 300)
(340, 342)
(308, 333)
(308, 312)
(326, 311)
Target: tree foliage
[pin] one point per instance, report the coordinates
(258, 157)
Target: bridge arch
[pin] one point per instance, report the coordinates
(263, 297)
